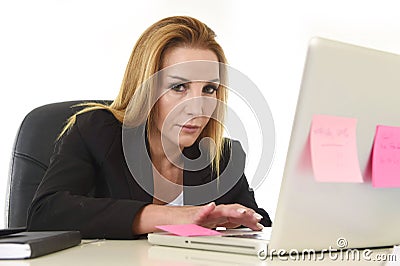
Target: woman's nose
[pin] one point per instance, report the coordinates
(198, 104)
(194, 103)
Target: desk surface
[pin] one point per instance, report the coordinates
(139, 252)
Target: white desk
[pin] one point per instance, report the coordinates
(139, 252)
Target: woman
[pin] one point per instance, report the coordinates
(94, 185)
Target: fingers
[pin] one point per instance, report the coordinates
(230, 216)
(248, 218)
(238, 214)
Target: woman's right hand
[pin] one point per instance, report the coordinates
(227, 215)
(210, 216)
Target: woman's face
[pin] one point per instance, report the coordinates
(188, 96)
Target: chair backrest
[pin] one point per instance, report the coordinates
(33, 147)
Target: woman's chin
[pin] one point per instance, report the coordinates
(186, 141)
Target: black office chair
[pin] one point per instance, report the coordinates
(33, 147)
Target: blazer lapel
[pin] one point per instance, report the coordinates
(138, 161)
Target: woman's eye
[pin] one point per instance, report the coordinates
(179, 87)
(209, 89)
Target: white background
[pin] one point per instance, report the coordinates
(58, 50)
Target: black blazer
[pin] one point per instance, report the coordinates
(89, 187)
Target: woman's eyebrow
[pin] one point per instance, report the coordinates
(180, 78)
(216, 80)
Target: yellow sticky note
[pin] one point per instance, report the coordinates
(334, 155)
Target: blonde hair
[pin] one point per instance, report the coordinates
(146, 59)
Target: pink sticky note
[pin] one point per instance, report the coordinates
(188, 230)
(334, 149)
(386, 157)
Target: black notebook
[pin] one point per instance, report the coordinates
(34, 244)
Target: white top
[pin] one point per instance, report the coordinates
(178, 201)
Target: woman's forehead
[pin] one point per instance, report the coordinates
(177, 55)
(189, 71)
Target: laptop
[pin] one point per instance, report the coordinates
(339, 80)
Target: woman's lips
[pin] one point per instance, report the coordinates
(189, 128)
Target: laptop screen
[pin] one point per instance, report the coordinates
(348, 81)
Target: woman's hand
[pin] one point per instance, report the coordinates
(229, 216)
(210, 215)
